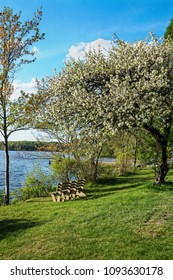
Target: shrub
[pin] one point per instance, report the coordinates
(37, 184)
(106, 170)
(2, 198)
(65, 169)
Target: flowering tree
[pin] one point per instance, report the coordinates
(16, 40)
(77, 91)
(142, 93)
(75, 142)
(67, 122)
(130, 88)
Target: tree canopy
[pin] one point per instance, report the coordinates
(130, 88)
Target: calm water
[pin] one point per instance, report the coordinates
(21, 164)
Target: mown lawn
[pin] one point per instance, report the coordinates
(125, 218)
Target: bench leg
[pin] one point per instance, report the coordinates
(53, 197)
(58, 197)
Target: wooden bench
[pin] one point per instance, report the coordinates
(69, 191)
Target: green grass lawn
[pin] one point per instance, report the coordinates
(124, 218)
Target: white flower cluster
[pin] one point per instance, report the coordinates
(130, 87)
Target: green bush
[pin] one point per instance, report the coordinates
(37, 184)
(2, 198)
(65, 169)
(106, 170)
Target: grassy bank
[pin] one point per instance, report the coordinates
(125, 218)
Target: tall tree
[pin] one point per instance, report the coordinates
(169, 30)
(142, 92)
(74, 140)
(16, 41)
(131, 88)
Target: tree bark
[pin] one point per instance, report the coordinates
(161, 139)
(162, 168)
(7, 174)
(95, 164)
(135, 154)
(7, 161)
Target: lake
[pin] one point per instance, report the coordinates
(24, 162)
(21, 164)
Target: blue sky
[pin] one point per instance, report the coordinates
(70, 25)
(69, 22)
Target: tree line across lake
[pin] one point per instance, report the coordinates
(48, 147)
(30, 146)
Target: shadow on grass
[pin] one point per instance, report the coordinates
(108, 186)
(129, 178)
(167, 186)
(95, 193)
(11, 226)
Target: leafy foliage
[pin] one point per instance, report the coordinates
(64, 169)
(37, 184)
(169, 30)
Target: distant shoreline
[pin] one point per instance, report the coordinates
(30, 146)
(33, 146)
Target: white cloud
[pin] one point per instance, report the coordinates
(79, 50)
(19, 86)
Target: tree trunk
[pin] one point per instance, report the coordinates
(95, 164)
(7, 161)
(95, 175)
(7, 173)
(162, 144)
(162, 167)
(135, 154)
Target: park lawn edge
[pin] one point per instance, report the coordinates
(122, 218)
